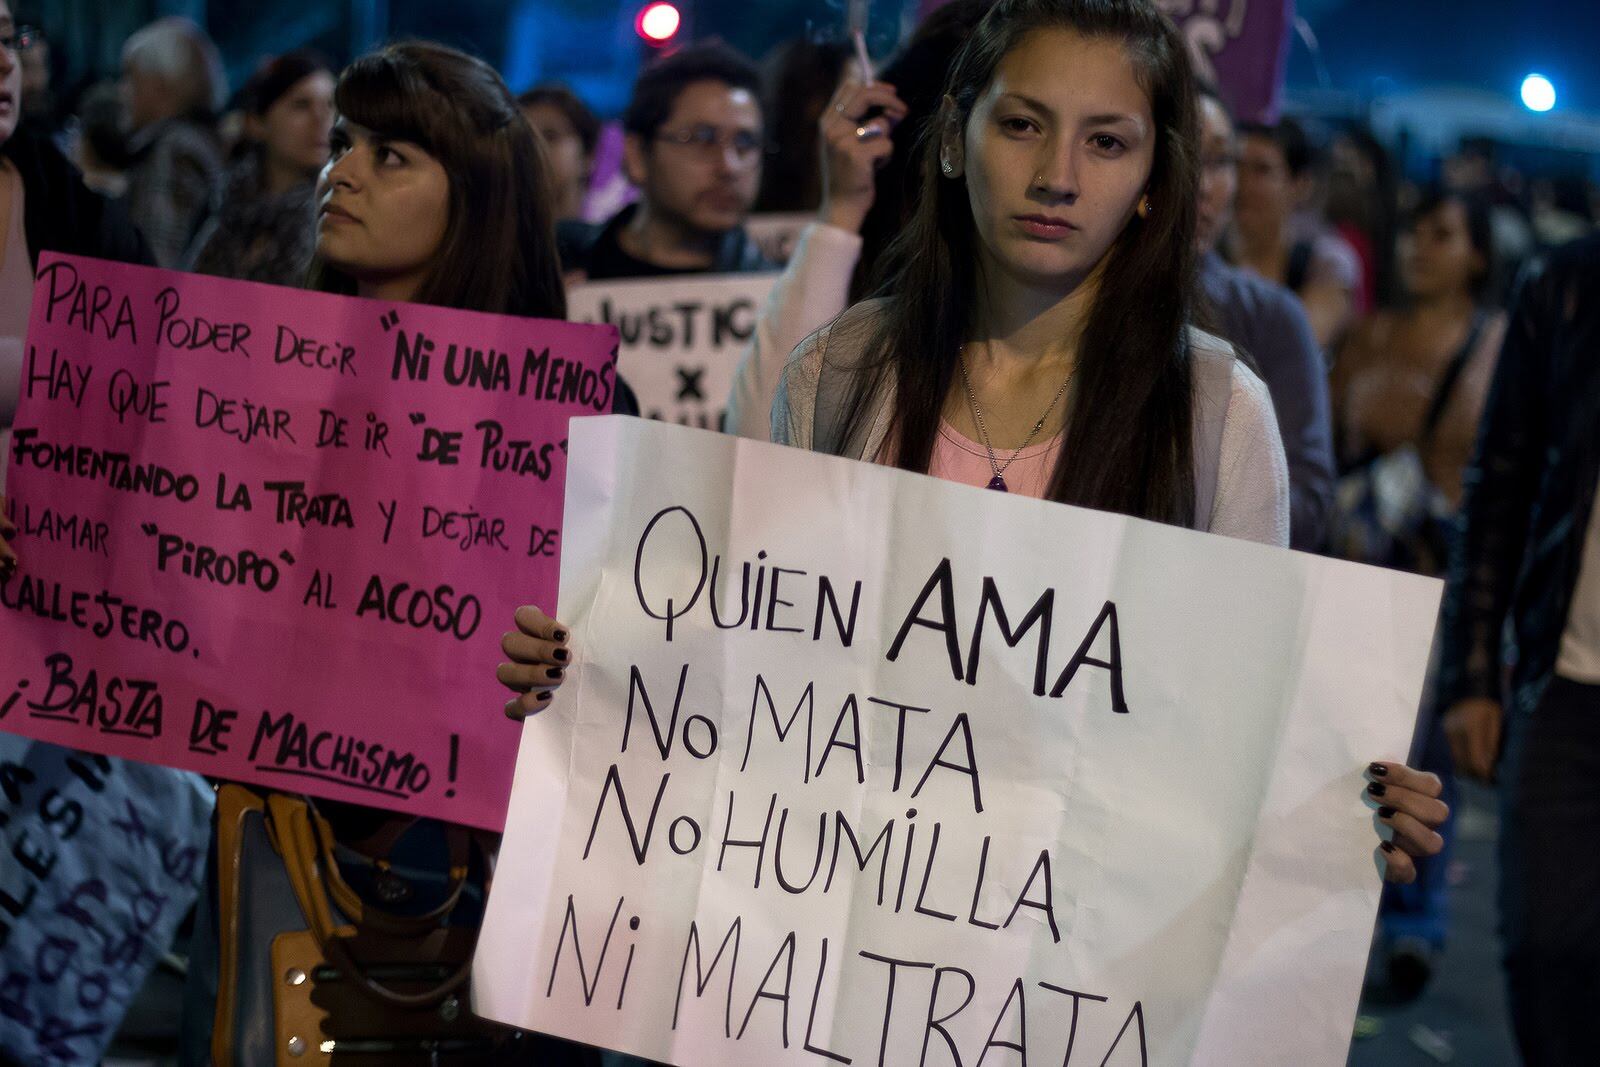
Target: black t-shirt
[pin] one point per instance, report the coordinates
(608, 259)
(596, 251)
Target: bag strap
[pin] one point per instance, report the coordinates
(1450, 378)
(350, 902)
(235, 805)
(290, 819)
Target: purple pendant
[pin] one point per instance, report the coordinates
(998, 484)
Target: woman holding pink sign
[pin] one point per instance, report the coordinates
(435, 192)
(1035, 335)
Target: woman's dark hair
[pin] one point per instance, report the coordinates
(1373, 210)
(799, 78)
(1128, 446)
(585, 123)
(1300, 152)
(1480, 231)
(918, 73)
(499, 247)
(659, 84)
(102, 123)
(276, 76)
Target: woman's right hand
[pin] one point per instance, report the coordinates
(8, 555)
(539, 660)
(853, 148)
(1473, 727)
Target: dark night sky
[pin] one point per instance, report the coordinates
(1491, 44)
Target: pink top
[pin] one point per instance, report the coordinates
(957, 459)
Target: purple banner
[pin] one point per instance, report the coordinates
(1240, 45)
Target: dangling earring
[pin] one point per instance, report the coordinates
(948, 167)
(1143, 209)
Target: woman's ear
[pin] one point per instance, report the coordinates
(633, 159)
(952, 152)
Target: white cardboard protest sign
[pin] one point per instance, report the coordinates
(859, 766)
(681, 338)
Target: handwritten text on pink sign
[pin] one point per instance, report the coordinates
(274, 536)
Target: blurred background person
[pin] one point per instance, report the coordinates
(100, 140)
(570, 133)
(173, 87)
(1519, 677)
(263, 229)
(1277, 237)
(1409, 390)
(1363, 207)
(1475, 170)
(695, 138)
(1267, 324)
(1409, 386)
(1561, 209)
(40, 105)
(44, 206)
(871, 137)
(799, 79)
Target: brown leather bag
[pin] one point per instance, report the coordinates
(349, 983)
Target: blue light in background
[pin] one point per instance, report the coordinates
(1538, 94)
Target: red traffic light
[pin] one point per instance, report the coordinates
(658, 23)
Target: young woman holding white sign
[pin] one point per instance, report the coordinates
(1035, 336)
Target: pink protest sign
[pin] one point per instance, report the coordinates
(274, 536)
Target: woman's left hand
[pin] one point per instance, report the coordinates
(1408, 805)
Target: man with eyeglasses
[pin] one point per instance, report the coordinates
(694, 142)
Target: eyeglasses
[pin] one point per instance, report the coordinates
(709, 142)
(20, 40)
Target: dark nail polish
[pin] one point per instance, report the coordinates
(1377, 789)
(1385, 812)
(554, 673)
(562, 655)
(1377, 770)
(543, 697)
(561, 637)
(1388, 846)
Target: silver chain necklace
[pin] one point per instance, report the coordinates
(998, 482)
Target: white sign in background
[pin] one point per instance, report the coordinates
(681, 338)
(884, 803)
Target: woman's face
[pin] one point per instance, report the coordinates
(383, 206)
(1266, 189)
(10, 78)
(1436, 254)
(562, 147)
(295, 128)
(1054, 165)
(1219, 174)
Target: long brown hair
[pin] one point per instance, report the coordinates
(499, 248)
(1128, 445)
